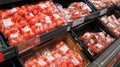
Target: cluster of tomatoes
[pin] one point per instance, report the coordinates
(112, 23)
(60, 56)
(75, 10)
(23, 22)
(96, 42)
(103, 3)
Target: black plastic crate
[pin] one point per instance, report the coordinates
(102, 11)
(93, 14)
(92, 5)
(116, 13)
(91, 26)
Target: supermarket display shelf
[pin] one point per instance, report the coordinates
(39, 39)
(100, 60)
(107, 55)
(90, 26)
(50, 45)
(115, 12)
(96, 9)
(93, 14)
(7, 52)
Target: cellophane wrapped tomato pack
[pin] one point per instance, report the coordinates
(59, 52)
(112, 23)
(74, 10)
(93, 38)
(24, 22)
(99, 4)
(96, 42)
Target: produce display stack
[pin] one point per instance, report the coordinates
(59, 33)
(59, 52)
(21, 23)
(99, 4)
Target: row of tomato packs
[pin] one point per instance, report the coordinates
(26, 24)
(71, 49)
(26, 21)
(63, 51)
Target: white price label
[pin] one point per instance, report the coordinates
(57, 55)
(64, 48)
(98, 45)
(103, 11)
(31, 14)
(42, 6)
(50, 57)
(38, 24)
(7, 22)
(47, 19)
(34, 66)
(26, 29)
(13, 10)
(56, 16)
(78, 21)
(80, 57)
(15, 35)
(75, 61)
(42, 63)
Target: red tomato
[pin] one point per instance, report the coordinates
(16, 17)
(52, 53)
(23, 23)
(54, 25)
(44, 57)
(3, 15)
(59, 22)
(19, 39)
(61, 43)
(13, 30)
(13, 42)
(30, 8)
(42, 30)
(17, 26)
(37, 31)
(22, 12)
(33, 20)
(28, 17)
(71, 65)
(7, 32)
(58, 46)
(25, 36)
(31, 34)
(35, 12)
(33, 27)
(7, 12)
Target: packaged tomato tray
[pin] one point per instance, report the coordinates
(115, 62)
(100, 4)
(58, 52)
(93, 37)
(73, 10)
(111, 21)
(21, 23)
